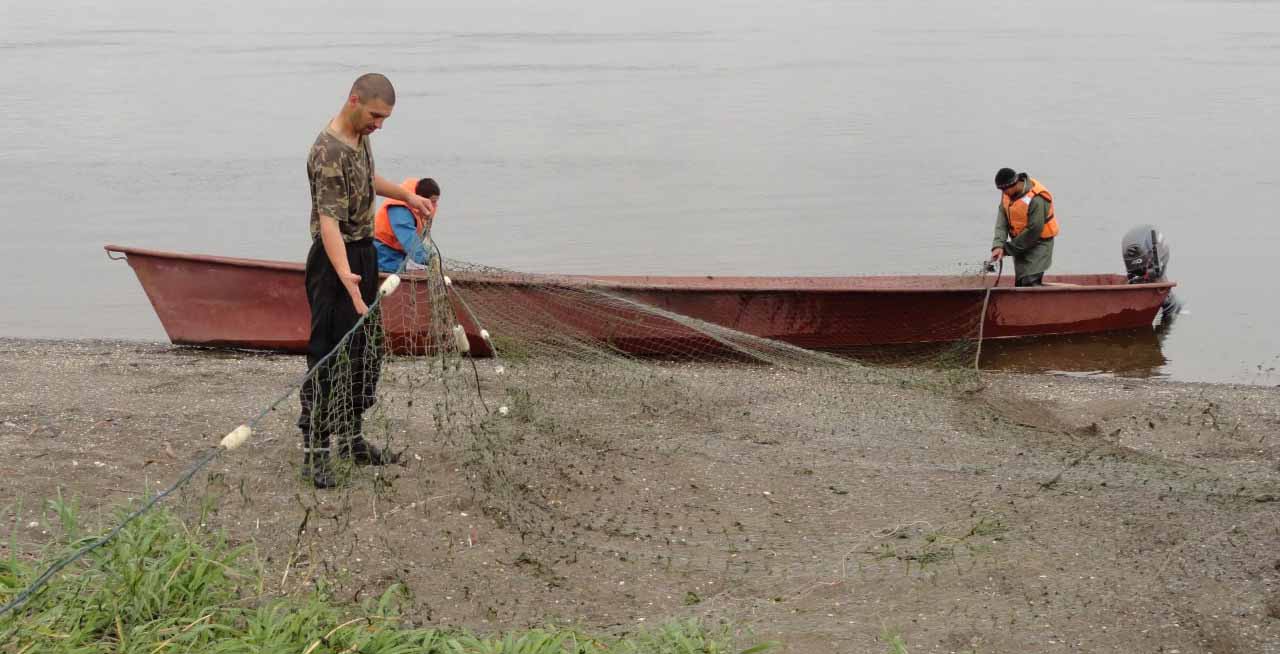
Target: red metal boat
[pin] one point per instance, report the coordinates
(259, 304)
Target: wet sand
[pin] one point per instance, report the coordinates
(1041, 513)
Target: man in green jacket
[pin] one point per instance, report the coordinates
(1025, 226)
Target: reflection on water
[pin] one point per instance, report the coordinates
(744, 137)
(1134, 353)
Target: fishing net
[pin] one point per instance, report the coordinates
(550, 417)
(525, 379)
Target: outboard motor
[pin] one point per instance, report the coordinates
(1146, 258)
(1146, 255)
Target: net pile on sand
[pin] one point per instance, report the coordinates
(489, 361)
(529, 382)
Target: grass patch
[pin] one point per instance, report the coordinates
(159, 587)
(938, 546)
(989, 526)
(893, 638)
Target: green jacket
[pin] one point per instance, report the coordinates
(1031, 255)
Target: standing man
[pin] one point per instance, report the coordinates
(342, 280)
(1025, 226)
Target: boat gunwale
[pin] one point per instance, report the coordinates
(207, 258)
(648, 283)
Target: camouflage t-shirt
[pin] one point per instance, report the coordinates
(341, 185)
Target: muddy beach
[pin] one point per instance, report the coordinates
(1037, 514)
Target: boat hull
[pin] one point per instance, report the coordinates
(835, 313)
(257, 304)
(262, 305)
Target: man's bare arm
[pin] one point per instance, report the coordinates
(384, 187)
(416, 203)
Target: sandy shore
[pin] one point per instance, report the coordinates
(1039, 514)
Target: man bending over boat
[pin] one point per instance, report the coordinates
(1025, 226)
(402, 237)
(342, 280)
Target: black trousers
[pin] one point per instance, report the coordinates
(335, 398)
(1030, 280)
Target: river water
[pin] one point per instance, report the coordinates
(722, 137)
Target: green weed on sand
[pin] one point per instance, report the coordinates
(159, 588)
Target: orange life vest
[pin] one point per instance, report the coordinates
(382, 223)
(1016, 210)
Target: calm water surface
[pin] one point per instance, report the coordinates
(727, 137)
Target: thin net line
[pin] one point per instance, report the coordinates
(552, 317)
(200, 463)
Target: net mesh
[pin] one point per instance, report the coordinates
(523, 378)
(548, 403)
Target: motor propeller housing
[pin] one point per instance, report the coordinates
(1146, 254)
(1146, 260)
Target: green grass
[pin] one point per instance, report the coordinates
(160, 588)
(989, 526)
(893, 638)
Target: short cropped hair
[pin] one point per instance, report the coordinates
(374, 86)
(427, 187)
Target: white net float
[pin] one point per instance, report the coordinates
(390, 285)
(236, 438)
(460, 337)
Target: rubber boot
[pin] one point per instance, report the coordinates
(352, 445)
(317, 469)
(364, 453)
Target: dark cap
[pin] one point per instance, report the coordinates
(1006, 177)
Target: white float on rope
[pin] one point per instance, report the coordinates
(460, 337)
(236, 438)
(390, 285)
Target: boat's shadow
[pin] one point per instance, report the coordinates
(1136, 353)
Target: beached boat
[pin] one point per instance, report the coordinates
(260, 304)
